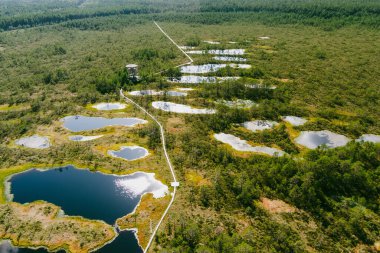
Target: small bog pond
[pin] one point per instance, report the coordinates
(238, 103)
(259, 125)
(84, 138)
(314, 139)
(129, 153)
(35, 141)
(229, 58)
(84, 123)
(294, 120)
(207, 68)
(109, 106)
(202, 79)
(93, 195)
(179, 108)
(242, 145)
(157, 93)
(219, 52)
(369, 138)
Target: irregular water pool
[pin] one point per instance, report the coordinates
(84, 123)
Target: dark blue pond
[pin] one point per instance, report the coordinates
(93, 195)
(126, 242)
(129, 153)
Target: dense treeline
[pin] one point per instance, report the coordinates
(320, 8)
(24, 21)
(291, 11)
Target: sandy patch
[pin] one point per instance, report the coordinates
(180, 108)
(175, 124)
(277, 206)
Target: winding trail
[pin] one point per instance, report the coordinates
(176, 183)
(183, 51)
(128, 100)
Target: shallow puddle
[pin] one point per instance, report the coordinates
(157, 93)
(179, 108)
(109, 106)
(35, 141)
(259, 125)
(242, 145)
(239, 103)
(202, 79)
(229, 58)
(369, 138)
(314, 139)
(260, 86)
(294, 120)
(211, 42)
(84, 138)
(219, 52)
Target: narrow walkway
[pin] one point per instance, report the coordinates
(188, 56)
(128, 100)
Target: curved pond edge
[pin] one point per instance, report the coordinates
(65, 248)
(111, 152)
(8, 198)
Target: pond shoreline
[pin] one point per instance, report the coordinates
(9, 198)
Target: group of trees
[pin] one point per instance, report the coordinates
(338, 187)
(290, 11)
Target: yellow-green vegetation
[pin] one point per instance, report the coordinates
(145, 217)
(7, 107)
(323, 57)
(38, 224)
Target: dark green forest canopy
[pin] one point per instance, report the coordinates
(20, 14)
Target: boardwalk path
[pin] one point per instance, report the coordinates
(128, 100)
(175, 182)
(188, 56)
